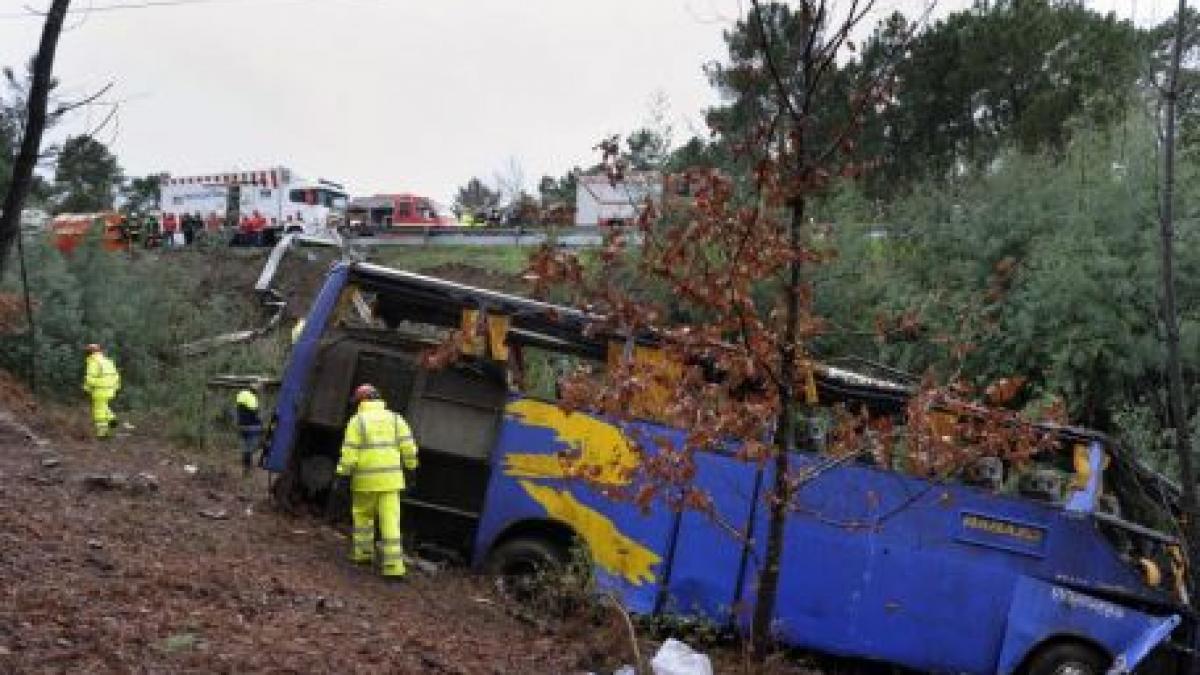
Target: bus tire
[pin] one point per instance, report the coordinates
(1068, 658)
(524, 569)
(525, 555)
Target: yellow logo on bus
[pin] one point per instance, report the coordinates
(612, 551)
(1004, 528)
(597, 450)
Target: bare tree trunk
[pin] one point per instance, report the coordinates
(29, 318)
(781, 490)
(31, 137)
(1175, 393)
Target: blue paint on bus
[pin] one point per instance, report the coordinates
(877, 564)
(299, 369)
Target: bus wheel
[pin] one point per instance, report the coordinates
(525, 566)
(1068, 658)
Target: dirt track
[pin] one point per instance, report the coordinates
(103, 579)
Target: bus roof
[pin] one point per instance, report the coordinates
(440, 302)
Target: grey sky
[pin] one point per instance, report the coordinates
(393, 95)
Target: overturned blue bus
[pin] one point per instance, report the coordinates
(985, 575)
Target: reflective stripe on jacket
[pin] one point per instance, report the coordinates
(101, 376)
(378, 446)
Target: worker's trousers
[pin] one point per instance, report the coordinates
(102, 415)
(366, 508)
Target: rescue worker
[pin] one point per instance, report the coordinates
(153, 232)
(249, 424)
(377, 448)
(169, 226)
(133, 230)
(187, 226)
(101, 382)
(258, 229)
(297, 330)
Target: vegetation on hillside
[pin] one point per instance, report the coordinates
(142, 309)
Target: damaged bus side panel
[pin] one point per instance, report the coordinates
(940, 576)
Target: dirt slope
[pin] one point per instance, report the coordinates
(128, 578)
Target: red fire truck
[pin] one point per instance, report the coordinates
(381, 213)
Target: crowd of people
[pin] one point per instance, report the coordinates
(171, 230)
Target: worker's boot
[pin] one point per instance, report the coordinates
(391, 560)
(362, 549)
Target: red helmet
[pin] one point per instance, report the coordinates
(92, 348)
(365, 392)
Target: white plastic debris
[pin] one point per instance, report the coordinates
(676, 658)
(190, 469)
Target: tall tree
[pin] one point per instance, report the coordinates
(647, 149)
(10, 137)
(734, 276)
(31, 134)
(750, 103)
(1161, 41)
(1170, 313)
(1020, 72)
(142, 194)
(559, 190)
(476, 196)
(86, 177)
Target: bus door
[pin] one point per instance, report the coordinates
(455, 415)
(343, 363)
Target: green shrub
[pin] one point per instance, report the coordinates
(141, 308)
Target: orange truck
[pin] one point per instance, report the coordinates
(69, 229)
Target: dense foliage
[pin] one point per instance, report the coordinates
(1044, 267)
(142, 310)
(1006, 227)
(86, 177)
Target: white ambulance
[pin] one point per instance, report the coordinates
(287, 202)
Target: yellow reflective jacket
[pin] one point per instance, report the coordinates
(378, 446)
(101, 376)
(247, 399)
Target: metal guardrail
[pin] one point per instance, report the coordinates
(270, 298)
(274, 304)
(567, 237)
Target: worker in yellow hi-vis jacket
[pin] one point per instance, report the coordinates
(101, 382)
(378, 447)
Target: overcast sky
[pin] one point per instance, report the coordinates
(392, 95)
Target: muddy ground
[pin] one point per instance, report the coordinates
(162, 570)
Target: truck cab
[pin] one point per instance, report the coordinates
(384, 213)
(313, 209)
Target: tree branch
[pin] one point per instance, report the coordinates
(68, 107)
